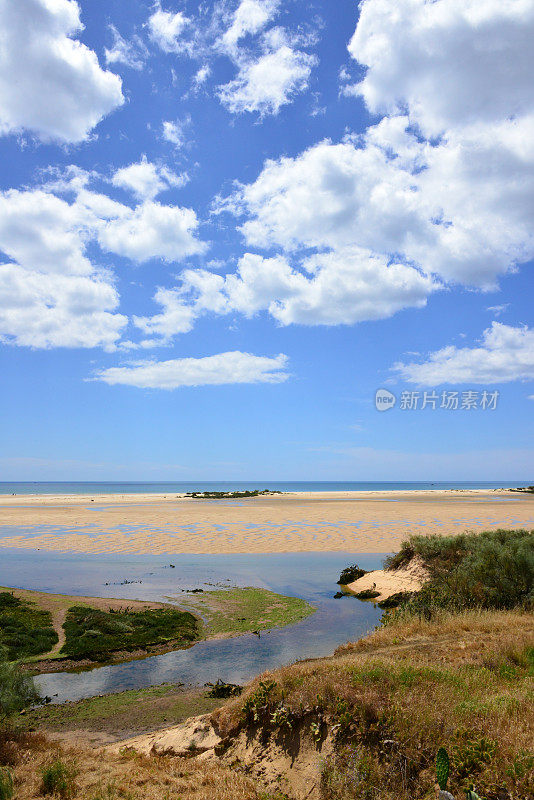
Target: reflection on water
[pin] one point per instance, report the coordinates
(309, 575)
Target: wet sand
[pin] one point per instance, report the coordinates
(365, 522)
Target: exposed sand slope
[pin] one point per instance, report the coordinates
(406, 579)
(192, 737)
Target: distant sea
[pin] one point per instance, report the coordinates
(156, 487)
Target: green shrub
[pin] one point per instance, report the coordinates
(91, 633)
(350, 574)
(493, 569)
(17, 690)
(6, 784)
(367, 594)
(58, 778)
(25, 630)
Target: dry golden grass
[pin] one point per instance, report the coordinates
(464, 682)
(98, 775)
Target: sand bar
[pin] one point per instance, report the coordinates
(366, 522)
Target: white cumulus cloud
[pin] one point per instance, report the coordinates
(50, 84)
(249, 18)
(269, 82)
(451, 63)
(51, 295)
(506, 353)
(153, 230)
(344, 287)
(166, 29)
(223, 368)
(443, 184)
(146, 179)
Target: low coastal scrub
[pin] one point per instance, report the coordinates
(58, 779)
(390, 701)
(17, 691)
(44, 769)
(238, 495)
(493, 569)
(350, 574)
(25, 629)
(95, 634)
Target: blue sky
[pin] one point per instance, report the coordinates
(223, 228)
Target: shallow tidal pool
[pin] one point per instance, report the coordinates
(311, 576)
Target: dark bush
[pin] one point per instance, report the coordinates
(91, 633)
(351, 574)
(17, 690)
(493, 569)
(25, 630)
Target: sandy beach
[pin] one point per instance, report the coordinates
(365, 522)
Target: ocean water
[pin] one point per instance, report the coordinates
(156, 487)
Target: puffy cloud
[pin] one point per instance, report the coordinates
(461, 208)
(344, 287)
(51, 295)
(223, 368)
(505, 354)
(166, 29)
(444, 183)
(249, 17)
(176, 316)
(269, 82)
(50, 84)
(152, 230)
(42, 233)
(51, 310)
(145, 179)
(130, 53)
(451, 63)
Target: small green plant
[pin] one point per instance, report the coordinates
(58, 778)
(316, 731)
(350, 574)
(442, 768)
(367, 594)
(470, 794)
(257, 704)
(521, 765)
(471, 756)
(282, 717)
(6, 784)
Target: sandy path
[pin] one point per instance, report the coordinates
(372, 522)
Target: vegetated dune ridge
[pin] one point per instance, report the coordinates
(371, 718)
(357, 522)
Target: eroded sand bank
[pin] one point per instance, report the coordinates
(365, 522)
